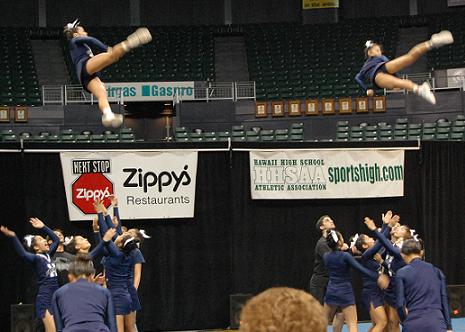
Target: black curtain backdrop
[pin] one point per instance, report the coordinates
(234, 244)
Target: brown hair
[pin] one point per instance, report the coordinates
(283, 309)
(373, 45)
(82, 265)
(408, 232)
(69, 32)
(320, 221)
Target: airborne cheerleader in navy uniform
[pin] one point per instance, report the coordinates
(43, 266)
(88, 66)
(421, 293)
(380, 71)
(340, 293)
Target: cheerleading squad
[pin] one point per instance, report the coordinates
(399, 287)
(71, 297)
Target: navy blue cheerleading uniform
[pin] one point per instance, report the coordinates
(371, 293)
(394, 262)
(45, 271)
(83, 306)
(369, 70)
(80, 49)
(421, 289)
(339, 292)
(118, 271)
(137, 258)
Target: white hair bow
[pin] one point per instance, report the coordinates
(354, 240)
(28, 239)
(73, 25)
(68, 240)
(414, 235)
(369, 43)
(127, 241)
(144, 234)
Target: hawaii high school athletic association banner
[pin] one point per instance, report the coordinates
(315, 174)
(148, 185)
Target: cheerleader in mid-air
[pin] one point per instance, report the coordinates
(43, 265)
(380, 71)
(88, 65)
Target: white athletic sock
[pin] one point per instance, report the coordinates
(429, 44)
(107, 110)
(415, 89)
(125, 46)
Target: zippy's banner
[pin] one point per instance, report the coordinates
(148, 185)
(321, 174)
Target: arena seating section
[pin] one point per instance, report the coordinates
(175, 54)
(316, 61)
(18, 79)
(242, 134)
(449, 57)
(124, 135)
(287, 61)
(402, 130)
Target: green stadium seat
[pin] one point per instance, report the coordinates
(39, 138)
(67, 138)
(356, 134)
(9, 138)
(457, 136)
(298, 125)
(239, 128)
(297, 137)
(82, 138)
(414, 132)
(7, 132)
(442, 137)
(238, 139)
(97, 138)
(53, 138)
(112, 138)
(281, 138)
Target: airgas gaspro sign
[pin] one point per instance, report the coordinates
(150, 91)
(318, 174)
(149, 185)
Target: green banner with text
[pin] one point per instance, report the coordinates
(321, 174)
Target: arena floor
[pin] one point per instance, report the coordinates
(458, 325)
